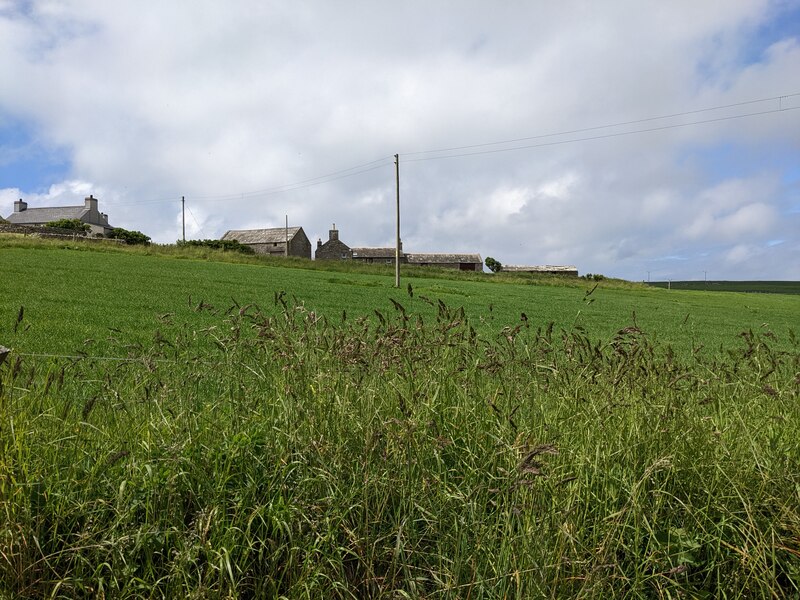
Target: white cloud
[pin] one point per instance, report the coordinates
(215, 101)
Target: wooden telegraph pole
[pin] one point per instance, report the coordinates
(183, 216)
(397, 246)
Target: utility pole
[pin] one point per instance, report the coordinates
(183, 217)
(397, 245)
(287, 236)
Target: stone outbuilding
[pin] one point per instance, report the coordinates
(567, 270)
(335, 249)
(462, 262)
(274, 241)
(88, 213)
(385, 256)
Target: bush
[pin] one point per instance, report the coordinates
(129, 237)
(232, 245)
(71, 224)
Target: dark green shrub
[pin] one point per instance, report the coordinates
(129, 237)
(71, 224)
(232, 245)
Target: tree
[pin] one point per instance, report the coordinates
(71, 224)
(493, 265)
(129, 237)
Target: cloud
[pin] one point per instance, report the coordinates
(226, 104)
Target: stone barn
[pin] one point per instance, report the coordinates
(274, 241)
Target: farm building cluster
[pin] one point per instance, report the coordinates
(292, 241)
(280, 241)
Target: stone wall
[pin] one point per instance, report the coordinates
(49, 232)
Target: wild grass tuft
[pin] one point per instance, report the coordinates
(282, 453)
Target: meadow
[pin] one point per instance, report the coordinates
(184, 427)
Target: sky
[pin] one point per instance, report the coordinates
(641, 140)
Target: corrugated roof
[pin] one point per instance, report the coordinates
(374, 252)
(47, 214)
(261, 236)
(540, 268)
(443, 258)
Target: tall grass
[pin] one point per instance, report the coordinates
(281, 453)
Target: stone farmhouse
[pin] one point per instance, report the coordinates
(274, 241)
(335, 249)
(88, 213)
(568, 270)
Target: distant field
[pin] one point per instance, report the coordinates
(756, 287)
(173, 426)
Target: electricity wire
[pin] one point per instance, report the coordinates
(597, 137)
(610, 125)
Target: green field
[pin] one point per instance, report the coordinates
(75, 300)
(199, 425)
(750, 287)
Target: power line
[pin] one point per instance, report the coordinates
(333, 176)
(280, 189)
(196, 222)
(610, 125)
(594, 137)
(443, 153)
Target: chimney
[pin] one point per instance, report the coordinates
(20, 205)
(319, 243)
(91, 202)
(333, 234)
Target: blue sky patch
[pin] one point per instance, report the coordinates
(25, 162)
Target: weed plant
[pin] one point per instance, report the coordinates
(280, 453)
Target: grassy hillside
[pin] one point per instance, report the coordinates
(73, 299)
(212, 448)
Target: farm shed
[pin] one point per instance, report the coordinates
(273, 241)
(462, 262)
(87, 213)
(568, 270)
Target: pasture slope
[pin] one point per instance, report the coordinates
(182, 427)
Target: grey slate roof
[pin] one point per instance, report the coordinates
(443, 258)
(374, 252)
(45, 215)
(261, 236)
